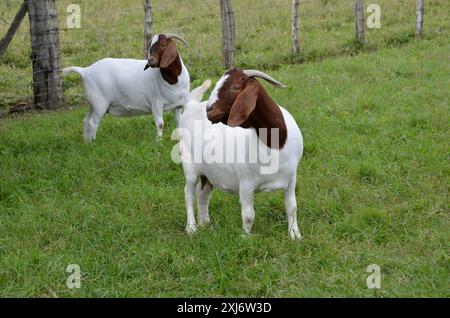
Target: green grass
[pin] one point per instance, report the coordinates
(372, 187)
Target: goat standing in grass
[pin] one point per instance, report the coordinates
(124, 87)
(239, 110)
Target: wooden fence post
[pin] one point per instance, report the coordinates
(13, 28)
(295, 44)
(419, 18)
(359, 21)
(47, 81)
(228, 33)
(148, 24)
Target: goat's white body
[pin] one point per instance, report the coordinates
(122, 87)
(243, 178)
(229, 176)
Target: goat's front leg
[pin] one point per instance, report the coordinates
(248, 213)
(203, 196)
(291, 209)
(189, 197)
(177, 116)
(157, 112)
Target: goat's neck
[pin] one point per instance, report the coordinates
(171, 73)
(267, 114)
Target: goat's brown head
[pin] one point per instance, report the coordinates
(235, 95)
(163, 50)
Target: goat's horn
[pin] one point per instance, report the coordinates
(255, 73)
(176, 36)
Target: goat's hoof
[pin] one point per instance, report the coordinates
(87, 139)
(204, 221)
(246, 236)
(190, 229)
(247, 228)
(295, 234)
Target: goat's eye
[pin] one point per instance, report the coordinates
(236, 88)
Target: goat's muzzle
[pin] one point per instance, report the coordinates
(151, 64)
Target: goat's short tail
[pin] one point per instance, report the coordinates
(71, 69)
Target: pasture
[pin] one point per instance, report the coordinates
(372, 185)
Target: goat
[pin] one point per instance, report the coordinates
(239, 109)
(124, 87)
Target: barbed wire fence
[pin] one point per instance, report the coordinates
(50, 43)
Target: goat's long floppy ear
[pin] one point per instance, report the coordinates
(244, 104)
(169, 55)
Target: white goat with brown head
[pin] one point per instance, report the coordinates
(126, 87)
(239, 141)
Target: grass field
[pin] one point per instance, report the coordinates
(372, 185)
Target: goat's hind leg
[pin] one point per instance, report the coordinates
(246, 197)
(90, 125)
(291, 210)
(88, 130)
(204, 190)
(98, 107)
(159, 121)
